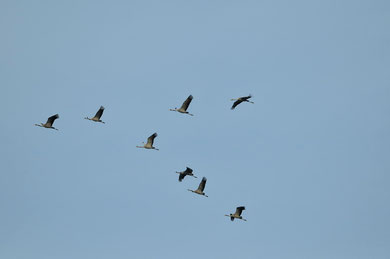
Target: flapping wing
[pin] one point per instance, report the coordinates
(239, 210)
(202, 184)
(51, 119)
(151, 139)
(186, 103)
(246, 97)
(236, 103)
(181, 176)
(188, 171)
(99, 112)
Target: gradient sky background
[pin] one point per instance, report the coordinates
(309, 160)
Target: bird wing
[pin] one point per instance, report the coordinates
(202, 184)
(236, 103)
(51, 119)
(181, 177)
(99, 112)
(188, 171)
(246, 97)
(151, 139)
(239, 210)
(186, 103)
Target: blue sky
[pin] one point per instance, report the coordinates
(309, 160)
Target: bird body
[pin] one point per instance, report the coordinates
(184, 106)
(237, 214)
(149, 143)
(201, 187)
(183, 174)
(49, 123)
(97, 116)
(240, 100)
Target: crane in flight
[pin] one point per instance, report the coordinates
(200, 188)
(49, 123)
(183, 174)
(184, 106)
(240, 100)
(97, 116)
(237, 214)
(149, 143)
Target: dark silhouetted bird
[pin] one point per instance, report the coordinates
(183, 174)
(240, 100)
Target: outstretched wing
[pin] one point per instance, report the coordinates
(99, 112)
(188, 171)
(202, 184)
(181, 176)
(246, 97)
(236, 103)
(186, 103)
(239, 210)
(51, 120)
(151, 139)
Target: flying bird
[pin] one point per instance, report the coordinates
(49, 123)
(149, 143)
(183, 174)
(240, 100)
(200, 188)
(184, 106)
(237, 214)
(97, 116)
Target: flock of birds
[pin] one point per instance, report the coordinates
(149, 145)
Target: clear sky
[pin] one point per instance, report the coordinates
(309, 160)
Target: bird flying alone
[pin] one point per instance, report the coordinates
(149, 143)
(97, 116)
(183, 174)
(49, 123)
(201, 187)
(237, 214)
(240, 100)
(184, 106)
